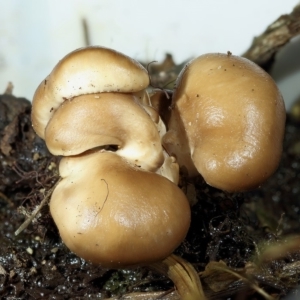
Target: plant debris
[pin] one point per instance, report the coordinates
(279, 33)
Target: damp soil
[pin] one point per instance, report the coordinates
(227, 228)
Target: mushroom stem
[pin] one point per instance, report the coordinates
(183, 275)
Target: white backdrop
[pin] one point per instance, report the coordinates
(35, 34)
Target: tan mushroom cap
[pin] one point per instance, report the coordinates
(105, 119)
(113, 214)
(231, 116)
(85, 71)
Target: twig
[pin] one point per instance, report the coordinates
(86, 33)
(6, 199)
(26, 223)
(265, 46)
(249, 282)
(9, 89)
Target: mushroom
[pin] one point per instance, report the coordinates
(88, 89)
(105, 119)
(84, 71)
(227, 122)
(111, 206)
(114, 214)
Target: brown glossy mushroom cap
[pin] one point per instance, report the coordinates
(85, 71)
(106, 119)
(231, 117)
(114, 214)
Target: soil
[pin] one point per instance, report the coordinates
(228, 229)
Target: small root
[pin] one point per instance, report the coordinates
(33, 215)
(5, 198)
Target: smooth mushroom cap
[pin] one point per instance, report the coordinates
(106, 119)
(111, 213)
(231, 117)
(86, 71)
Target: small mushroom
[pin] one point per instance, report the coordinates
(97, 97)
(87, 71)
(227, 122)
(106, 119)
(114, 214)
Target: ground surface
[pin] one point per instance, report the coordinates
(232, 228)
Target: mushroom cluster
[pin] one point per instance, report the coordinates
(118, 203)
(112, 207)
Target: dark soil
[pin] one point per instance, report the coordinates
(228, 227)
